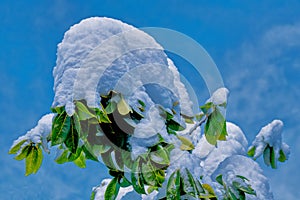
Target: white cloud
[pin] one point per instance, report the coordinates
(263, 79)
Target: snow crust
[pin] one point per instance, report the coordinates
(244, 166)
(271, 135)
(38, 134)
(219, 96)
(102, 54)
(236, 144)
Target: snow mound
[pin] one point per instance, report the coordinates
(211, 156)
(243, 166)
(102, 54)
(38, 134)
(270, 135)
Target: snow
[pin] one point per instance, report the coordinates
(100, 190)
(270, 135)
(241, 165)
(102, 54)
(38, 134)
(219, 96)
(211, 157)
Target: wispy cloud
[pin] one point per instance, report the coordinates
(263, 77)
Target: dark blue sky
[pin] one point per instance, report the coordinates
(255, 46)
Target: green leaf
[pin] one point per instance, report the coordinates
(112, 190)
(76, 120)
(267, 155)
(272, 158)
(58, 110)
(89, 154)
(80, 161)
(72, 139)
(63, 158)
(189, 184)
(232, 195)
(199, 116)
(282, 156)
(93, 195)
(207, 107)
(111, 107)
(251, 151)
(16, 147)
(107, 159)
(214, 127)
(123, 107)
(209, 189)
(33, 160)
(173, 186)
(103, 117)
(219, 179)
(171, 124)
(188, 121)
(60, 128)
(186, 144)
(141, 103)
(123, 181)
(99, 149)
(83, 112)
(136, 177)
(160, 156)
(152, 176)
(24, 152)
(74, 156)
(126, 156)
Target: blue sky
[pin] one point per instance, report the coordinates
(255, 46)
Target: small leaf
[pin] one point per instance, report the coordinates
(123, 107)
(63, 158)
(108, 161)
(24, 152)
(33, 160)
(266, 155)
(141, 103)
(219, 179)
(160, 156)
(251, 151)
(89, 154)
(186, 144)
(80, 161)
(60, 128)
(93, 195)
(83, 112)
(152, 175)
(136, 178)
(188, 120)
(112, 190)
(189, 184)
(282, 156)
(126, 156)
(173, 186)
(103, 117)
(111, 107)
(171, 124)
(209, 189)
(207, 107)
(58, 110)
(199, 116)
(72, 138)
(214, 127)
(123, 181)
(14, 149)
(272, 158)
